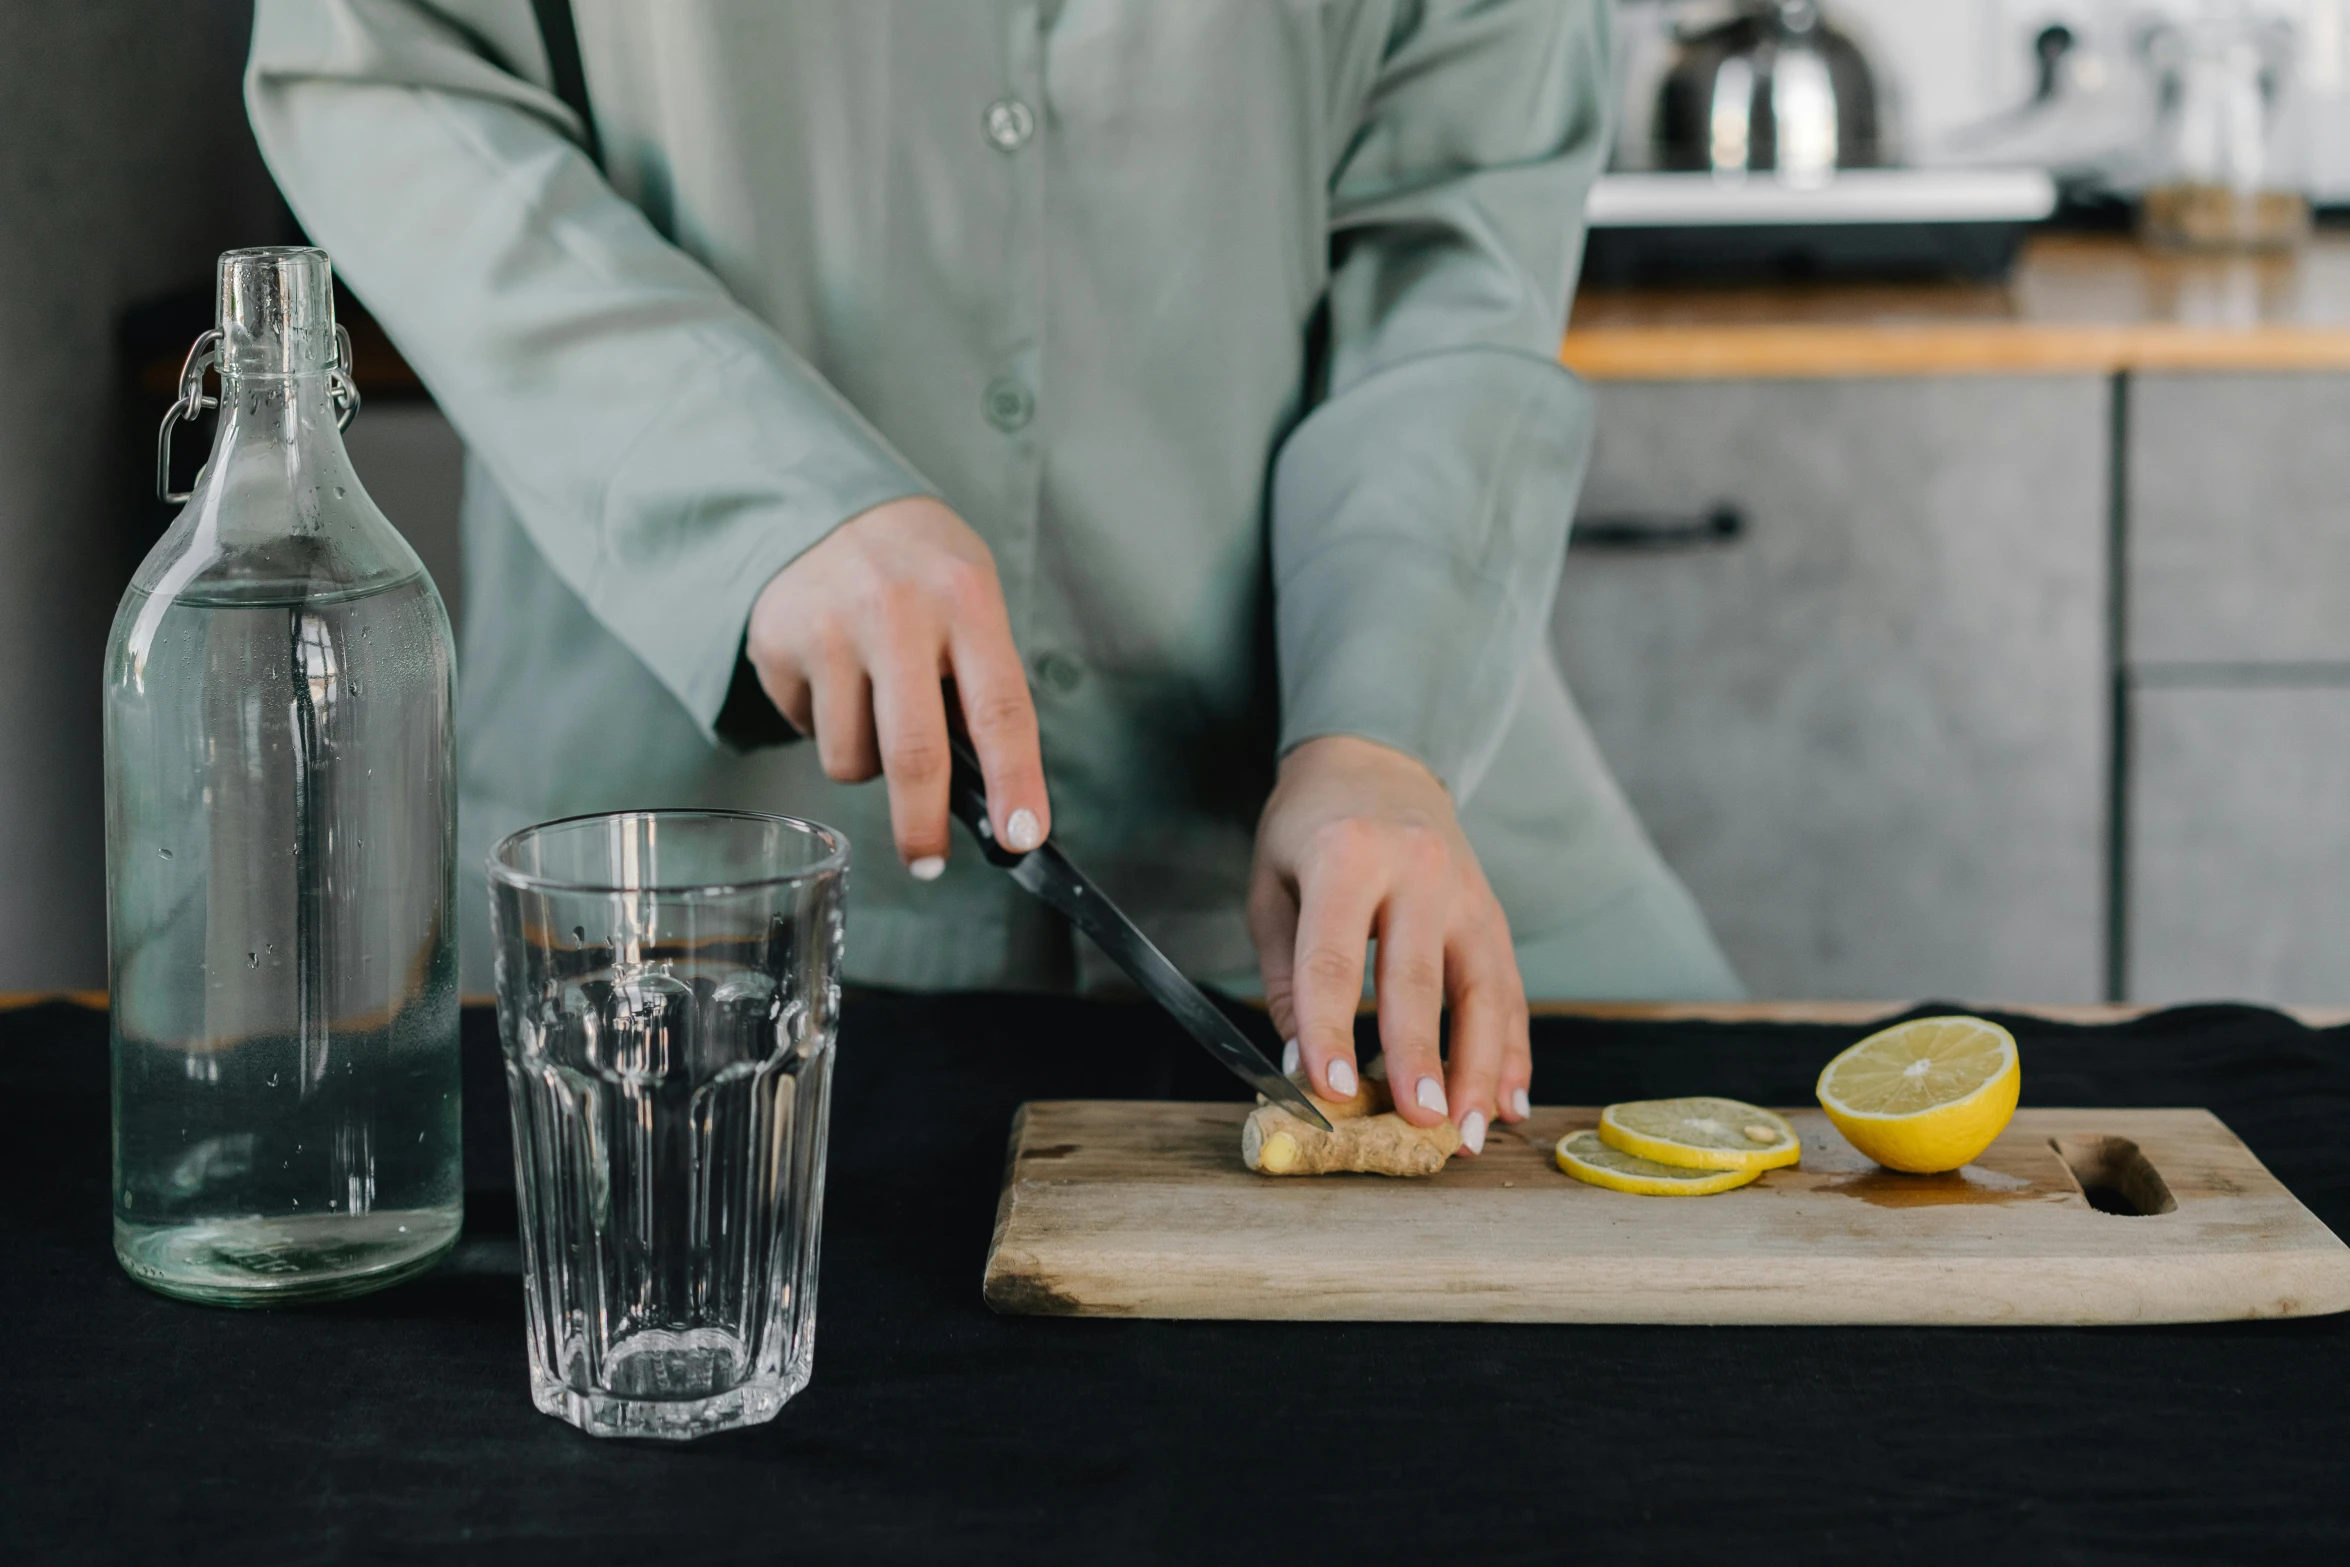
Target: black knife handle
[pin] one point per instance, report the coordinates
(967, 798)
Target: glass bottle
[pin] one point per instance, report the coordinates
(280, 845)
(2224, 139)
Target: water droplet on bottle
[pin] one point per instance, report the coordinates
(252, 960)
(166, 853)
(578, 932)
(338, 492)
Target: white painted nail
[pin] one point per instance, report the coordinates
(1430, 1093)
(1518, 1103)
(1289, 1056)
(928, 868)
(1473, 1131)
(1341, 1078)
(1021, 832)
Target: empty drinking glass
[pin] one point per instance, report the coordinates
(668, 991)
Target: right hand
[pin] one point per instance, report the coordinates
(851, 642)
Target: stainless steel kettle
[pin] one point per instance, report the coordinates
(1773, 88)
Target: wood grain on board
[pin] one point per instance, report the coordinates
(1132, 1208)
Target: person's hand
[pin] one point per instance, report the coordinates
(1360, 841)
(851, 642)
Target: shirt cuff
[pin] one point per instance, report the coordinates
(1419, 528)
(747, 720)
(674, 567)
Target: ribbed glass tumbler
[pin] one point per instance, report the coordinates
(668, 992)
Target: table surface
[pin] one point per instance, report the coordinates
(2075, 304)
(398, 1426)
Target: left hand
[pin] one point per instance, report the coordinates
(1360, 841)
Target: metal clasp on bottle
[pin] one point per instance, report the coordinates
(194, 400)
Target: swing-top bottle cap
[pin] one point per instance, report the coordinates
(277, 311)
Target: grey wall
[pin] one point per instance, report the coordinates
(414, 468)
(125, 167)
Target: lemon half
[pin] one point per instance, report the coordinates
(1701, 1133)
(1925, 1095)
(1583, 1156)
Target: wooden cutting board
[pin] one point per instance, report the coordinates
(1143, 1209)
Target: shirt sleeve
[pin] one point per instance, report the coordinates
(1420, 509)
(666, 451)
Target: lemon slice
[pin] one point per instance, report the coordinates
(1925, 1095)
(1700, 1134)
(1583, 1156)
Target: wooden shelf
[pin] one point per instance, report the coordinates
(2075, 304)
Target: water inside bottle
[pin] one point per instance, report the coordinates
(284, 976)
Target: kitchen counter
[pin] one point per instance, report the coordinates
(398, 1426)
(2076, 303)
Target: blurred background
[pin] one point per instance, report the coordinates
(1962, 585)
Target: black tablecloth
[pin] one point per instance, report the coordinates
(398, 1426)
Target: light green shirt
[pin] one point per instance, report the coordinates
(1231, 325)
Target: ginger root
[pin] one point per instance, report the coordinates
(1366, 1137)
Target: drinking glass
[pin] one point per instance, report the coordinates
(668, 992)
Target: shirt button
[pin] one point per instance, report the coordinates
(1060, 671)
(1009, 124)
(1008, 404)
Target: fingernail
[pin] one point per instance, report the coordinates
(1289, 1056)
(1519, 1105)
(1473, 1131)
(1341, 1078)
(928, 868)
(1430, 1093)
(1021, 833)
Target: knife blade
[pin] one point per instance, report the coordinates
(1050, 876)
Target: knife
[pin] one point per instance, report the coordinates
(1047, 873)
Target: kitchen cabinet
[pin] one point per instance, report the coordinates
(2240, 831)
(2239, 519)
(2237, 775)
(1871, 729)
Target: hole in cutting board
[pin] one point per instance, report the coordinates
(2115, 1176)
